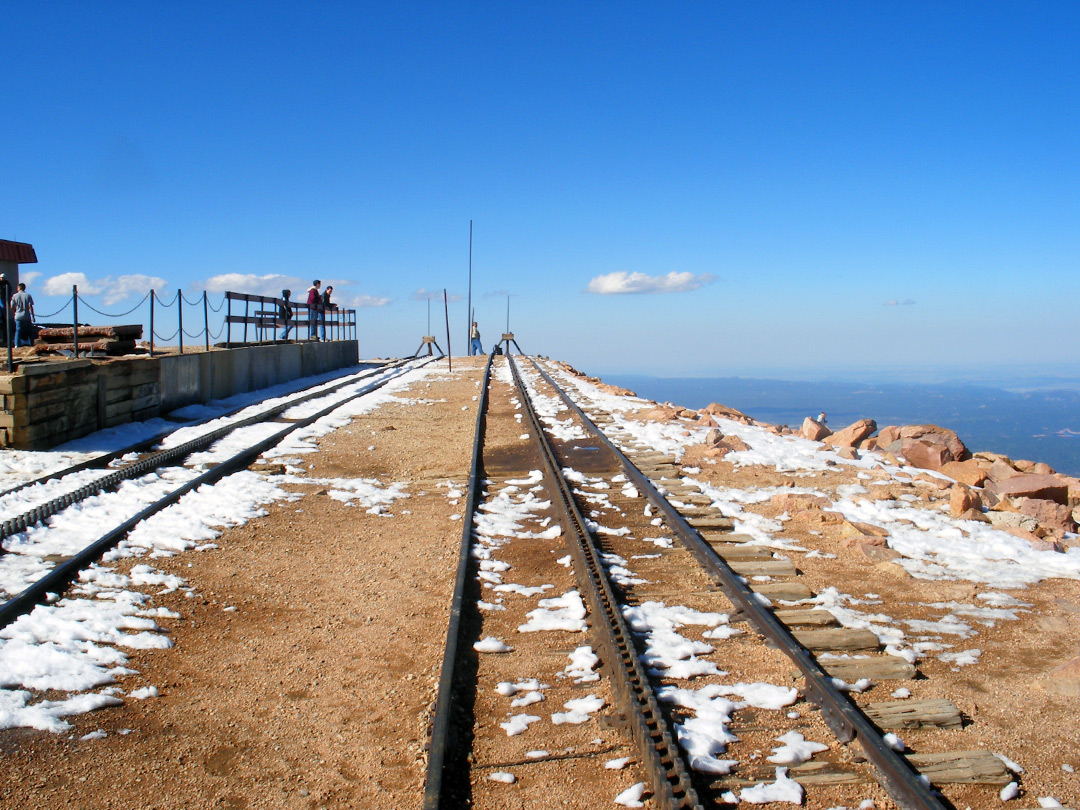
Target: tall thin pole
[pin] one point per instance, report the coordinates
(446, 309)
(180, 318)
(75, 318)
(206, 320)
(151, 323)
(468, 326)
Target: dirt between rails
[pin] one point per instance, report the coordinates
(316, 690)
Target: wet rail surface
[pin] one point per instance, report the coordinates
(709, 570)
(65, 571)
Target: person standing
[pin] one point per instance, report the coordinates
(314, 302)
(285, 312)
(475, 346)
(22, 307)
(325, 306)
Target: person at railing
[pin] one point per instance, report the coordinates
(314, 302)
(475, 346)
(22, 306)
(285, 311)
(324, 307)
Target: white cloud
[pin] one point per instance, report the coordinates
(269, 285)
(112, 290)
(29, 277)
(907, 302)
(360, 301)
(622, 282)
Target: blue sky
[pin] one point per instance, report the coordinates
(764, 189)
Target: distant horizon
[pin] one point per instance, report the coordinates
(1017, 378)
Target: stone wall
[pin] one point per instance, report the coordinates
(51, 402)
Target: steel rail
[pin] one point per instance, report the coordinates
(45, 510)
(442, 724)
(64, 573)
(843, 717)
(669, 776)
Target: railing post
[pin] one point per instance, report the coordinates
(180, 318)
(75, 318)
(206, 320)
(247, 309)
(151, 323)
(5, 287)
(228, 320)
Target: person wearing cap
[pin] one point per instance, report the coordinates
(285, 312)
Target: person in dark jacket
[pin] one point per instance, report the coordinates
(324, 307)
(314, 302)
(285, 312)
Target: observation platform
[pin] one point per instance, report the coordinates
(48, 401)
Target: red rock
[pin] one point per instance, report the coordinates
(723, 411)
(963, 499)
(887, 435)
(1002, 470)
(1025, 485)
(974, 514)
(1050, 515)
(1037, 542)
(787, 502)
(937, 435)
(966, 472)
(852, 434)
(924, 454)
(813, 430)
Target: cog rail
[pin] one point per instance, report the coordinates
(63, 574)
(843, 717)
(41, 512)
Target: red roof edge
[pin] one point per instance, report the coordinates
(19, 252)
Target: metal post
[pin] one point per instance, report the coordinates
(468, 311)
(247, 307)
(151, 323)
(206, 320)
(5, 285)
(446, 309)
(180, 318)
(228, 321)
(75, 318)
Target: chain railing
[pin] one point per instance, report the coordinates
(334, 323)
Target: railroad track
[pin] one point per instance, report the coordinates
(217, 452)
(665, 591)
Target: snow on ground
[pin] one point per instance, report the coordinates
(76, 644)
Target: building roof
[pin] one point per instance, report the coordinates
(19, 252)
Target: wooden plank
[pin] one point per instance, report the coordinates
(782, 591)
(763, 568)
(842, 639)
(811, 618)
(904, 714)
(711, 522)
(876, 668)
(976, 767)
(732, 551)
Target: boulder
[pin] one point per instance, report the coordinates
(966, 472)
(856, 532)
(929, 456)
(937, 435)
(1027, 485)
(724, 412)
(1001, 470)
(974, 514)
(813, 430)
(1012, 520)
(1048, 514)
(888, 435)
(850, 453)
(1037, 543)
(963, 499)
(852, 434)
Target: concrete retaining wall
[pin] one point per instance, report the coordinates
(48, 403)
